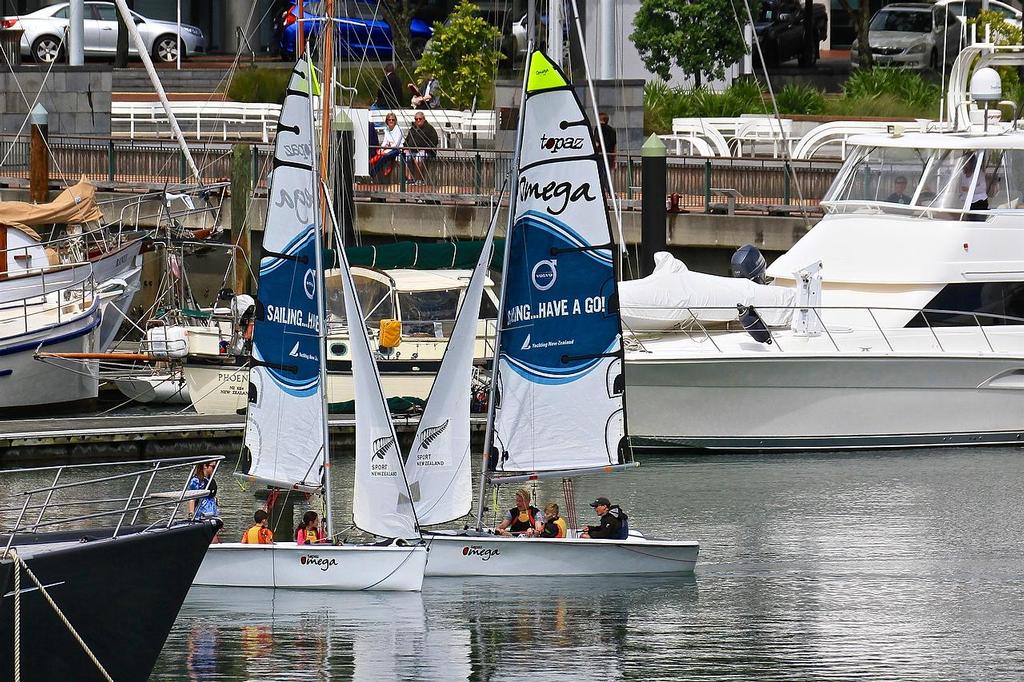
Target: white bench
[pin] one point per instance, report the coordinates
(243, 117)
(764, 130)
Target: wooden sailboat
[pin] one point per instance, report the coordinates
(557, 406)
(286, 424)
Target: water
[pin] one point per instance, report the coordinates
(864, 565)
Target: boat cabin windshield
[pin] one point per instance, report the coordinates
(376, 298)
(909, 181)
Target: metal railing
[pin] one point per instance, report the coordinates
(145, 480)
(930, 325)
(47, 298)
(766, 185)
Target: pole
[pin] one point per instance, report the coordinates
(606, 44)
(241, 192)
(147, 61)
(300, 42)
(177, 56)
(652, 213)
(555, 31)
(514, 171)
(39, 159)
(327, 100)
(121, 55)
(76, 33)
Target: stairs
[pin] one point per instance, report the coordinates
(174, 81)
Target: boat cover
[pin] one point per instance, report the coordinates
(73, 206)
(673, 294)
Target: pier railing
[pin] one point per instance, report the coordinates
(764, 185)
(860, 330)
(77, 496)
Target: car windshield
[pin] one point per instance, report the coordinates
(902, 21)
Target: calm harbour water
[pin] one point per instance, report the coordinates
(827, 566)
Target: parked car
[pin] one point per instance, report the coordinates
(780, 31)
(910, 36)
(964, 10)
(45, 40)
(363, 34)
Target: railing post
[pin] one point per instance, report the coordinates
(401, 172)
(111, 161)
(477, 172)
(632, 177)
(182, 169)
(707, 186)
(785, 184)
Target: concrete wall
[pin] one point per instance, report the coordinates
(78, 100)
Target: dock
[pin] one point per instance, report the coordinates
(74, 440)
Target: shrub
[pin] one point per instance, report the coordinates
(800, 99)
(259, 85)
(919, 94)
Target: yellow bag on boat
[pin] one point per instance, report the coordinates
(390, 333)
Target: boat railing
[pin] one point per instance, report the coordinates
(75, 496)
(862, 207)
(47, 297)
(861, 329)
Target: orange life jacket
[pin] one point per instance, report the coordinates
(258, 535)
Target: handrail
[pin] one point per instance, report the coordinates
(133, 504)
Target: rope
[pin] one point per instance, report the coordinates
(570, 506)
(19, 562)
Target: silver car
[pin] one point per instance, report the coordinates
(45, 37)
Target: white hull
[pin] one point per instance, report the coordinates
(124, 265)
(491, 555)
(777, 401)
(323, 567)
(224, 389)
(159, 389)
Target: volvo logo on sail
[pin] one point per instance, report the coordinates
(309, 284)
(544, 274)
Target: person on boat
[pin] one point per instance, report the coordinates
(522, 519)
(202, 479)
(899, 191)
(259, 533)
(420, 145)
(614, 522)
(309, 531)
(554, 525)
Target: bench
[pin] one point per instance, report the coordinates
(255, 118)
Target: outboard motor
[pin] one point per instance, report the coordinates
(753, 324)
(748, 263)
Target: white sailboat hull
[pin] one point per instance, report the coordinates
(453, 555)
(323, 567)
(158, 389)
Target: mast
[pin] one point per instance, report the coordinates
(327, 97)
(516, 153)
(318, 245)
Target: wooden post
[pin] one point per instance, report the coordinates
(241, 193)
(39, 159)
(3, 250)
(652, 203)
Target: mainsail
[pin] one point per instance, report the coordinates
(284, 430)
(438, 466)
(381, 502)
(561, 349)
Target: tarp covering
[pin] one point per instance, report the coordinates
(74, 205)
(672, 295)
(461, 255)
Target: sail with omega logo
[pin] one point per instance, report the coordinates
(559, 402)
(284, 419)
(381, 503)
(438, 465)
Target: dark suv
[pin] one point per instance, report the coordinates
(780, 31)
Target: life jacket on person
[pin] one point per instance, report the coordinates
(555, 528)
(522, 520)
(308, 537)
(617, 512)
(258, 535)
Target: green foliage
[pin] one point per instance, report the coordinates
(1002, 32)
(698, 36)
(800, 99)
(662, 103)
(908, 86)
(259, 85)
(462, 56)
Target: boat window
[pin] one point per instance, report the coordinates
(375, 298)
(429, 313)
(880, 174)
(1006, 180)
(972, 303)
(948, 183)
(488, 311)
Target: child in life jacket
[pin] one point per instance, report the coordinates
(554, 525)
(259, 534)
(309, 531)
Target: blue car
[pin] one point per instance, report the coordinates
(354, 36)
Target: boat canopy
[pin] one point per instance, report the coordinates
(423, 255)
(73, 206)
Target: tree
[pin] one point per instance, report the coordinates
(398, 14)
(698, 36)
(462, 56)
(861, 18)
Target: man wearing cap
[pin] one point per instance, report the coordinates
(614, 522)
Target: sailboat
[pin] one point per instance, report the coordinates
(286, 419)
(557, 406)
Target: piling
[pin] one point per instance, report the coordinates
(39, 159)
(652, 205)
(343, 193)
(241, 192)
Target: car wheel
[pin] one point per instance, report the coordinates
(47, 49)
(165, 48)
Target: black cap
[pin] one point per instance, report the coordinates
(601, 501)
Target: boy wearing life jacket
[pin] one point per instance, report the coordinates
(554, 525)
(614, 522)
(259, 534)
(523, 519)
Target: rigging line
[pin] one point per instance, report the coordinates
(616, 206)
(778, 117)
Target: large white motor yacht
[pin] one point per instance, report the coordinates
(898, 320)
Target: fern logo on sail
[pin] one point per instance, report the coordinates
(378, 460)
